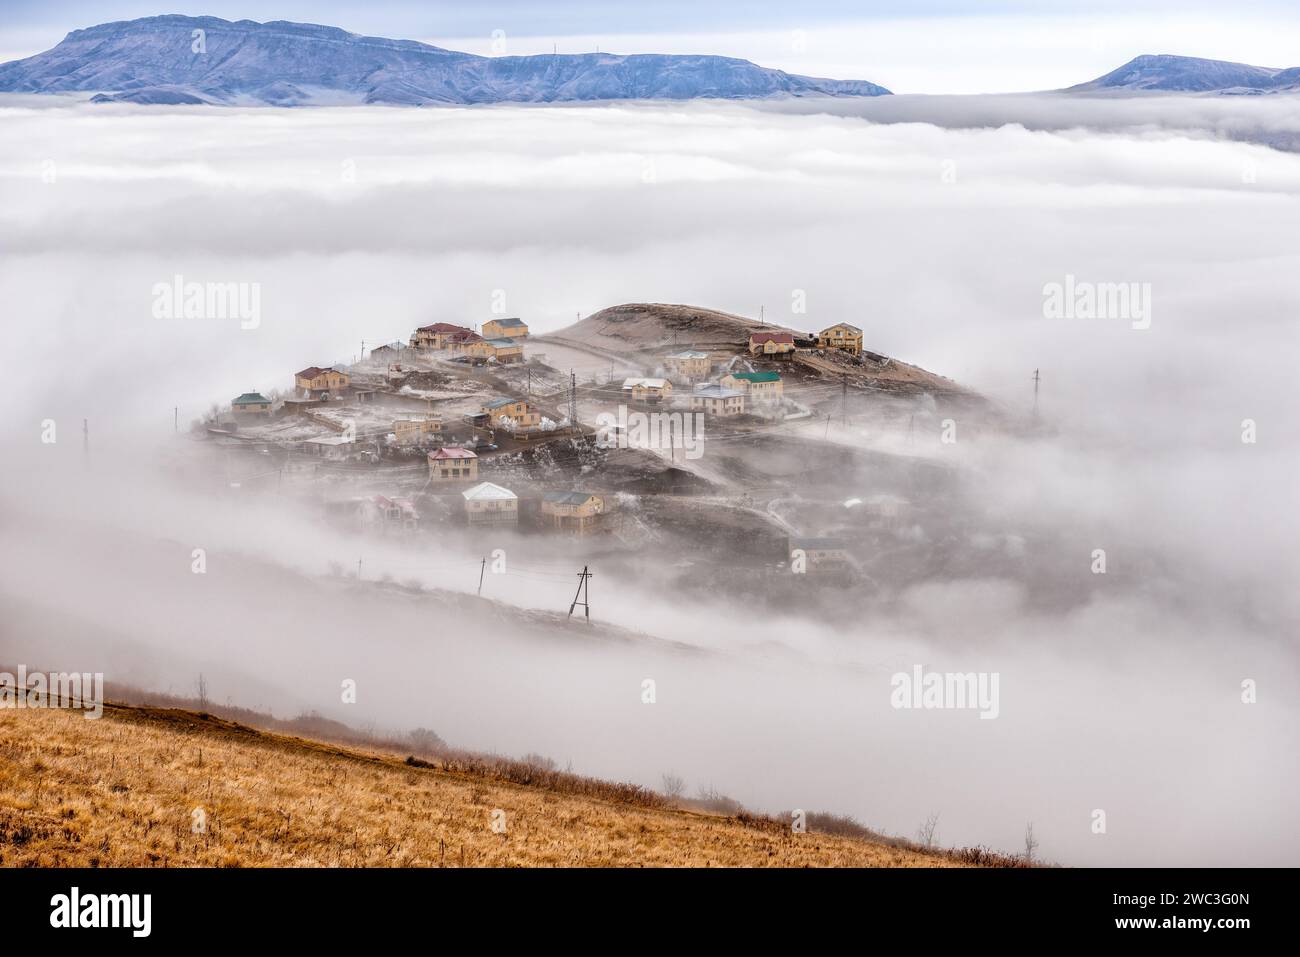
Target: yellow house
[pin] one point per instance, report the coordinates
(518, 412)
(717, 400)
(771, 343)
(841, 336)
(689, 365)
(572, 511)
(315, 380)
(759, 386)
(647, 390)
(505, 329)
(497, 350)
(411, 431)
(453, 464)
(488, 504)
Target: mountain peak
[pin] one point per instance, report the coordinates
(1170, 73)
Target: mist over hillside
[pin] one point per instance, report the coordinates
(1119, 690)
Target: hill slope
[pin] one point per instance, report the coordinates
(1185, 74)
(159, 60)
(123, 791)
(644, 332)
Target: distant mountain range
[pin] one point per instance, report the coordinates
(180, 59)
(1186, 74)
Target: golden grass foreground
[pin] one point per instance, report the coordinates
(123, 791)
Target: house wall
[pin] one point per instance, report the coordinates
(453, 470)
(493, 512)
(494, 329)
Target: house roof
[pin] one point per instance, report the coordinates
(487, 492)
(689, 354)
(502, 403)
(442, 327)
(771, 337)
(513, 322)
(502, 342)
(645, 383)
(251, 398)
(312, 372)
(756, 376)
(452, 452)
(717, 392)
(841, 325)
(568, 498)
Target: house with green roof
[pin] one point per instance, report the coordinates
(758, 386)
(251, 403)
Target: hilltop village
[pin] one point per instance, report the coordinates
(718, 447)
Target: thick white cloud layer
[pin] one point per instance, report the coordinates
(934, 233)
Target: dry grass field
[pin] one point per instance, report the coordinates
(160, 787)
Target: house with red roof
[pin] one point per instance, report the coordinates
(771, 343)
(438, 335)
(314, 381)
(452, 463)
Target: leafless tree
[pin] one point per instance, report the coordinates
(928, 831)
(1031, 843)
(674, 786)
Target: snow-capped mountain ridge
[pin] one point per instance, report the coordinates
(177, 58)
(1184, 74)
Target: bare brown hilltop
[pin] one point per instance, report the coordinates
(642, 332)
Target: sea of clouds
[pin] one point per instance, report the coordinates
(933, 229)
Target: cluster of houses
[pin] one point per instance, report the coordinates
(492, 505)
(727, 386)
(499, 342)
(311, 385)
(489, 504)
(734, 392)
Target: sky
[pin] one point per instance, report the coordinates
(932, 46)
(937, 238)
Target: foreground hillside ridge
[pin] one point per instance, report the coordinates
(149, 786)
(192, 60)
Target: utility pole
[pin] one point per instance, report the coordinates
(358, 569)
(481, 570)
(1036, 392)
(582, 592)
(573, 401)
(176, 418)
(363, 350)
